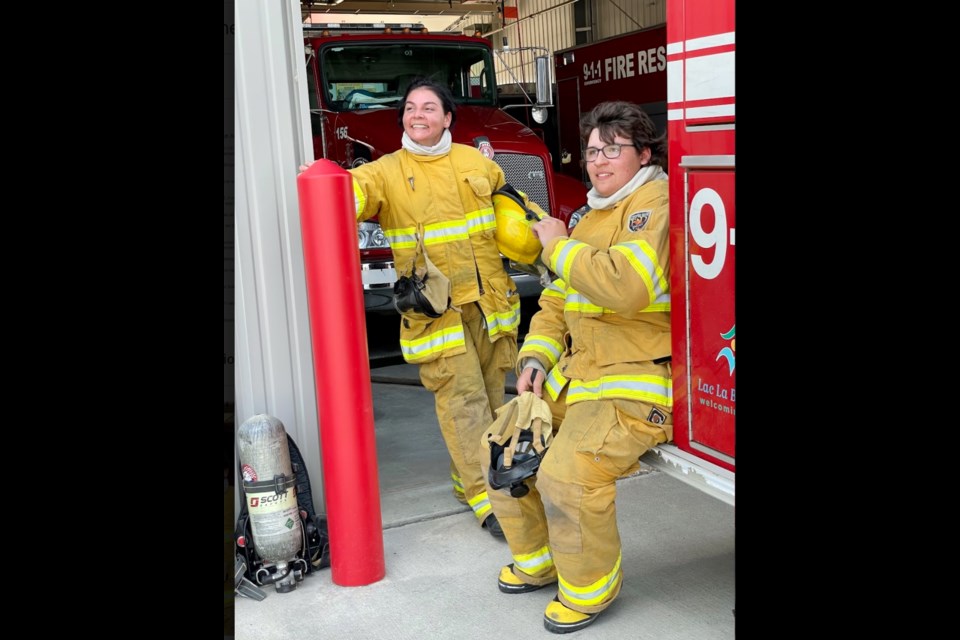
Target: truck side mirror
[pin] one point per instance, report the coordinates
(544, 93)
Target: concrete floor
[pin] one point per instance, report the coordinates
(441, 568)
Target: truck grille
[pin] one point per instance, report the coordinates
(526, 173)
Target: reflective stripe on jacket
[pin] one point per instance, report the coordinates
(606, 318)
(451, 196)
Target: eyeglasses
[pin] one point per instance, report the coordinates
(611, 151)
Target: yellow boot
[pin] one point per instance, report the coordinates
(510, 583)
(558, 618)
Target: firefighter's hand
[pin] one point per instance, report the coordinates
(549, 228)
(305, 166)
(531, 379)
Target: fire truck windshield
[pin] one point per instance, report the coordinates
(370, 76)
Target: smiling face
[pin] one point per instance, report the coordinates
(423, 117)
(609, 175)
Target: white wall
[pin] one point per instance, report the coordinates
(273, 360)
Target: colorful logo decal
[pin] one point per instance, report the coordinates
(486, 149)
(249, 475)
(638, 220)
(728, 352)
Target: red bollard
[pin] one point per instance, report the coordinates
(344, 398)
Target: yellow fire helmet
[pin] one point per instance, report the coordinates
(514, 237)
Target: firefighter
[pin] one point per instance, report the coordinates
(443, 190)
(598, 351)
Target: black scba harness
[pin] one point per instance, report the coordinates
(315, 552)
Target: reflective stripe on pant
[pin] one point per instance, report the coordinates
(597, 442)
(467, 388)
(457, 484)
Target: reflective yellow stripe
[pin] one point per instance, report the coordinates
(519, 216)
(441, 232)
(647, 388)
(558, 287)
(504, 322)
(641, 257)
(544, 345)
(592, 593)
(531, 563)
(480, 505)
(577, 302)
(552, 292)
(658, 307)
(482, 220)
(457, 482)
(405, 238)
(644, 261)
(554, 383)
(564, 255)
(359, 200)
(436, 342)
(585, 308)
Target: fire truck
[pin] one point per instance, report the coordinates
(632, 66)
(692, 55)
(357, 76)
(701, 99)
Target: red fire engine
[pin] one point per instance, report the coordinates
(632, 66)
(356, 80)
(701, 126)
(357, 75)
(693, 55)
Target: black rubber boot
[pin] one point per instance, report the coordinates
(493, 526)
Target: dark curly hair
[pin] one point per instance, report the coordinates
(627, 119)
(443, 92)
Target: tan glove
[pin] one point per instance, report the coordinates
(533, 413)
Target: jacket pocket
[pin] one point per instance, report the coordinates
(416, 343)
(608, 445)
(480, 186)
(505, 353)
(498, 307)
(647, 424)
(483, 199)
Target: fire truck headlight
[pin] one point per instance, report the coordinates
(370, 236)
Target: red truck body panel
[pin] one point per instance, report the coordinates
(701, 132)
(632, 66)
(356, 82)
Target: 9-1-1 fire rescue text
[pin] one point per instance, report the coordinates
(625, 66)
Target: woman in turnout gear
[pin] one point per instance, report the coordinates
(600, 348)
(444, 190)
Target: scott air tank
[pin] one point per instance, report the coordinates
(270, 494)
